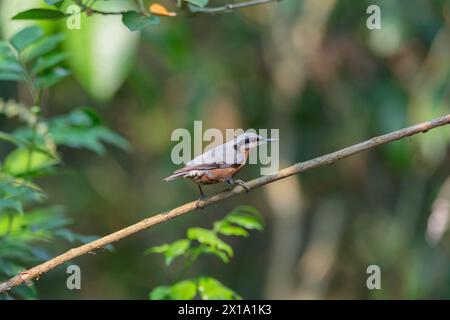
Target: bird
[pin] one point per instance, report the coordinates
(222, 163)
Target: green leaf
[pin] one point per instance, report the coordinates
(198, 3)
(183, 290)
(14, 193)
(54, 2)
(211, 250)
(160, 293)
(135, 21)
(5, 50)
(52, 78)
(157, 249)
(27, 292)
(39, 14)
(23, 142)
(82, 129)
(10, 66)
(44, 46)
(102, 69)
(176, 249)
(66, 234)
(19, 161)
(212, 289)
(230, 230)
(48, 62)
(9, 138)
(26, 37)
(208, 237)
(9, 268)
(11, 76)
(36, 225)
(247, 217)
(13, 204)
(171, 251)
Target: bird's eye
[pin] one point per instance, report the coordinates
(247, 141)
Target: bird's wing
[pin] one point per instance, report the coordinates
(212, 159)
(183, 171)
(223, 154)
(203, 166)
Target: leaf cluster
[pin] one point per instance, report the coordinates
(133, 19)
(200, 241)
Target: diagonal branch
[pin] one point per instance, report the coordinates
(192, 206)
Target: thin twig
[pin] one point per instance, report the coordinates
(231, 6)
(211, 10)
(192, 206)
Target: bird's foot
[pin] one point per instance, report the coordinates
(243, 185)
(199, 204)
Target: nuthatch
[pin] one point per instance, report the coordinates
(221, 163)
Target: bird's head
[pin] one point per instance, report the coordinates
(249, 140)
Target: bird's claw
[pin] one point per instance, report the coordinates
(199, 205)
(243, 185)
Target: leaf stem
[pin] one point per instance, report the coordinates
(36, 97)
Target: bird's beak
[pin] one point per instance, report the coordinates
(272, 139)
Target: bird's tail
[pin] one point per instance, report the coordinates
(175, 176)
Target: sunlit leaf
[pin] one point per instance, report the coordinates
(157, 249)
(102, 52)
(37, 225)
(230, 230)
(247, 217)
(21, 161)
(176, 249)
(171, 251)
(210, 238)
(211, 289)
(160, 293)
(211, 250)
(183, 290)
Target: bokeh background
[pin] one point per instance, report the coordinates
(310, 68)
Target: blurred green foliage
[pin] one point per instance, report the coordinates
(205, 241)
(29, 57)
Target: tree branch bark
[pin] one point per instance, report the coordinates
(231, 6)
(192, 206)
